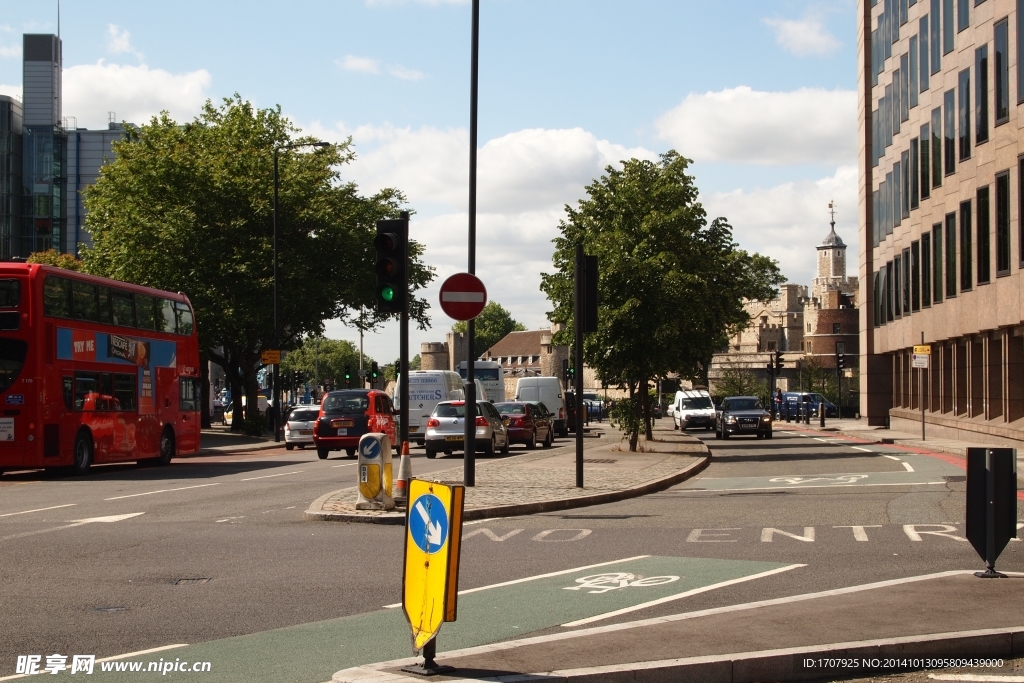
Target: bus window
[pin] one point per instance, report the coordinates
(188, 394)
(124, 390)
(124, 308)
(104, 309)
(69, 393)
(165, 315)
(144, 312)
(12, 358)
(57, 297)
(185, 325)
(10, 293)
(87, 385)
(83, 300)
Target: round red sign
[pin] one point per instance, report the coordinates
(463, 296)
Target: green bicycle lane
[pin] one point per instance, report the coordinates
(311, 653)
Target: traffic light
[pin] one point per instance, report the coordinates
(778, 361)
(348, 376)
(374, 373)
(390, 243)
(840, 361)
(565, 370)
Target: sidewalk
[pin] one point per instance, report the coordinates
(220, 439)
(949, 614)
(545, 480)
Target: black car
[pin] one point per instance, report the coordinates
(742, 415)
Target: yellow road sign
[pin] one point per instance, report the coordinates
(271, 357)
(925, 350)
(433, 540)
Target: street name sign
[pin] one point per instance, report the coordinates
(463, 296)
(923, 349)
(433, 541)
(271, 357)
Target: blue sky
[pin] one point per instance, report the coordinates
(760, 95)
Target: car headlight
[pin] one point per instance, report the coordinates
(766, 418)
(731, 419)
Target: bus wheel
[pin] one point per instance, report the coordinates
(166, 448)
(83, 454)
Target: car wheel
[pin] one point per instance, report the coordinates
(491, 446)
(548, 440)
(83, 454)
(350, 452)
(504, 449)
(322, 453)
(289, 446)
(532, 441)
(431, 454)
(768, 435)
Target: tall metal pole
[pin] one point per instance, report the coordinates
(275, 387)
(578, 327)
(469, 439)
(403, 344)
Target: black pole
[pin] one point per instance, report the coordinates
(469, 452)
(578, 327)
(275, 386)
(403, 343)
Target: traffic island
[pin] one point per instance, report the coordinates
(545, 481)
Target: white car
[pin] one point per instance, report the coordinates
(298, 428)
(446, 429)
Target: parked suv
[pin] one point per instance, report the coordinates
(446, 429)
(693, 408)
(742, 415)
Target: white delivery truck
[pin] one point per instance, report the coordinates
(426, 389)
(547, 390)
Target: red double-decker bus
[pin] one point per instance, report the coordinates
(93, 371)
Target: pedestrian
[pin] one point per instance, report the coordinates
(778, 402)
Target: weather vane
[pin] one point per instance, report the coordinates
(832, 210)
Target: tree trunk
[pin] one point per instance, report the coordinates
(252, 390)
(236, 401)
(204, 388)
(634, 432)
(645, 402)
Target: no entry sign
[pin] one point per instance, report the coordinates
(463, 296)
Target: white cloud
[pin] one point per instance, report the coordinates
(804, 37)
(364, 65)
(10, 51)
(789, 220)
(119, 42)
(11, 91)
(744, 125)
(134, 93)
(399, 71)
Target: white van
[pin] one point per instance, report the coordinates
(693, 408)
(426, 389)
(547, 390)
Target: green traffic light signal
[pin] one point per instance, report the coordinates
(387, 293)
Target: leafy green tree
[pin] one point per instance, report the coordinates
(671, 285)
(189, 208)
(52, 257)
(391, 369)
(493, 323)
(325, 359)
(819, 379)
(737, 380)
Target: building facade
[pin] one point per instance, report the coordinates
(11, 187)
(88, 151)
(940, 129)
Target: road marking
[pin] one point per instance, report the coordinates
(538, 576)
(998, 678)
(842, 479)
(228, 519)
(907, 467)
(818, 486)
(490, 534)
(150, 493)
(347, 464)
(680, 596)
(268, 476)
(25, 512)
(858, 448)
(892, 457)
(78, 522)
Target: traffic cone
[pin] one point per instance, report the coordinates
(404, 475)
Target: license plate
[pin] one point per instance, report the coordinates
(343, 432)
(413, 429)
(454, 438)
(7, 429)
(305, 432)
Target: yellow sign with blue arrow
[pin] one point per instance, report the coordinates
(433, 540)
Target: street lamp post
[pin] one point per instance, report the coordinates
(276, 387)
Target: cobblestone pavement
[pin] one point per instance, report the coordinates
(543, 477)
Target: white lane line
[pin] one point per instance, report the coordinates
(150, 493)
(815, 486)
(993, 678)
(680, 596)
(77, 522)
(25, 512)
(858, 448)
(892, 457)
(268, 476)
(347, 464)
(907, 467)
(538, 576)
(115, 657)
(820, 439)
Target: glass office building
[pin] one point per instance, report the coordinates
(11, 188)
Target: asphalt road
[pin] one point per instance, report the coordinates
(222, 550)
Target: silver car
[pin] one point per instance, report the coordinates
(446, 429)
(298, 428)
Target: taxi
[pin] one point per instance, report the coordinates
(348, 414)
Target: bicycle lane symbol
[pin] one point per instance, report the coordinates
(603, 583)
